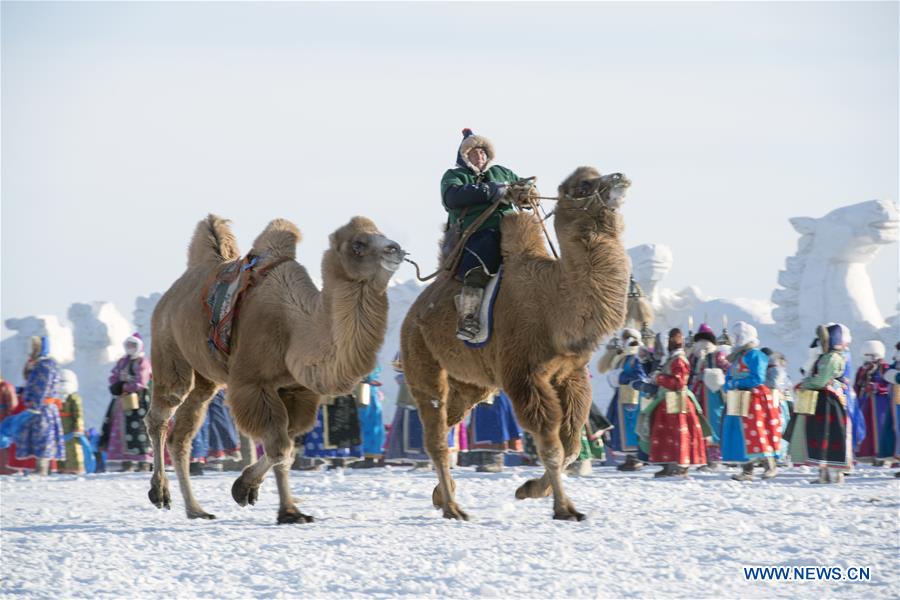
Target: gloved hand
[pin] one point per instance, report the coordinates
(116, 388)
(523, 193)
(498, 191)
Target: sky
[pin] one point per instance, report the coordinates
(123, 124)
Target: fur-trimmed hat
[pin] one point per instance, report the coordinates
(745, 334)
(134, 338)
(705, 332)
(874, 347)
(470, 141)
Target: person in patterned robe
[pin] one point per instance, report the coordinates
(673, 421)
(72, 414)
(873, 394)
(125, 436)
(708, 367)
(41, 435)
(751, 430)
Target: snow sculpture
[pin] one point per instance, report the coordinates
(650, 265)
(826, 280)
(143, 312)
(15, 348)
(99, 330)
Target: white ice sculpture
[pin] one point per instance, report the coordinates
(826, 280)
(143, 312)
(15, 349)
(99, 330)
(650, 265)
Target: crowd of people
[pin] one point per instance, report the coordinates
(680, 404)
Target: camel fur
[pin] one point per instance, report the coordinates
(292, 344)
(549, 316)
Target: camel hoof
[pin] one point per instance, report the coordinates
(437, 497)
(533, 488)
(455, 512)
(160, 497)
(293, 516)
(200, 514)
(244, 494)
(572, 515)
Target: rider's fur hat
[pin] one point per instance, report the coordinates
(470, 141)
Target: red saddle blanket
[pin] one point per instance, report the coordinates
(223, 293)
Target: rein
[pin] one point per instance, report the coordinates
(455, 255)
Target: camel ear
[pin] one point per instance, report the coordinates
(804, 225)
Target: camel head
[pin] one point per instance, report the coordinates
(358, 251)
(587, 198)
(586, 189)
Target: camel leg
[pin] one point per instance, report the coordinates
(170, 386)
(461, 397)
(261, 413)
(575, 399)
(188, 420)
(428, 386)
(538, 409)
(301, 405)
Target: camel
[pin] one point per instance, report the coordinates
(549, 316)
(292, 345)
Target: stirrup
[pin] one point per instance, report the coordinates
(469, 328)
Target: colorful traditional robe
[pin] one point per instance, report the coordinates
(494, 425)
(673, 423)
(712, 402)
(41, 436)
(624, 415)
(824, 438)
(874, 397)
(757, 435)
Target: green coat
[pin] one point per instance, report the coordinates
(461, 176)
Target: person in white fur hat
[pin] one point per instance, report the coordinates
(874, 396)
(751, 429)
(625, 373)
(124, 435)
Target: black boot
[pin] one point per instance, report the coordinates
(746, 473)
(127, 467)
(487, 461)
(631, 464)
(196, 469)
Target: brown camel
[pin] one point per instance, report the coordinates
(292, 344)
(549, 316)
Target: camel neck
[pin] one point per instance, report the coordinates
(353, 320)
(594, 284)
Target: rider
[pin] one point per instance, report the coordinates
(467, 191)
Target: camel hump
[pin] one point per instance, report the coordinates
(212, 241)
(279, 238)
(521, 235)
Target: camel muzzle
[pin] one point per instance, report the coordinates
(392, 256)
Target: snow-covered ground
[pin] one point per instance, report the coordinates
(376, 534)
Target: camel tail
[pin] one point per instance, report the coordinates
(213, 241)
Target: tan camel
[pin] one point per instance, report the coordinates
(549, 316)
(292, 344)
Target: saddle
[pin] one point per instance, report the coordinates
(223, 293)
